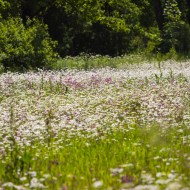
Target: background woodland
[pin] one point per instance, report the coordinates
(35, 33)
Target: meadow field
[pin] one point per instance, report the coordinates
(124, 128)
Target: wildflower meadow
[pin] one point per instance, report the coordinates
(106, 128)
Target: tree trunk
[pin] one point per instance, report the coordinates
(188, 14)
(158, 9)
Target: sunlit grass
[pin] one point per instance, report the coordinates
(90, 61)
(118, 158)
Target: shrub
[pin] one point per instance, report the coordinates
(27, 46)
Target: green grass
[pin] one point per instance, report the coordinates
(89, 61)
(118, 159)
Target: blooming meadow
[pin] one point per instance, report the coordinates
(98, 129)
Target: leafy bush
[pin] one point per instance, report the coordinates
(3, 7)
(25, 46)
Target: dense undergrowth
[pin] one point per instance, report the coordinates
(90, 61)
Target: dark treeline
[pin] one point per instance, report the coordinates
(34, 32)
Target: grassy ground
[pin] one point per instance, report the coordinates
(90, 61)
(113, 129)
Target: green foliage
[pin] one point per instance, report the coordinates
(107, 27)
(176, 31)
(101, 27)
(10, 8)
(24, 47)
(112, 27)
(154, 39)
(173, 23)
(110, 13)
(4, 5)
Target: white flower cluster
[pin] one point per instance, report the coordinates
(40, 105)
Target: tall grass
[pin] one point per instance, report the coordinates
(118, 159)
(90, 61)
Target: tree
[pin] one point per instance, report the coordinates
(105, 27)
(79, 25)
(172, 24)
(158, 9)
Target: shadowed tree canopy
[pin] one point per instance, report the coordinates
(108, 27)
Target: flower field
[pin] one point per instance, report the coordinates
(112, 129)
